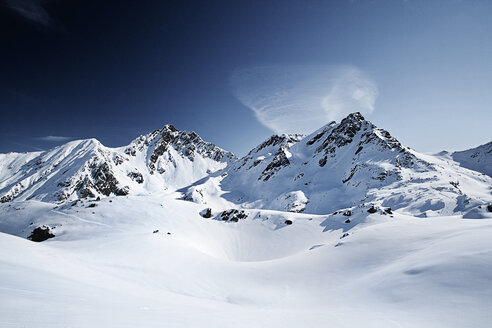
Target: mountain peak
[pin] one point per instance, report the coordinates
(351, 161)
(354, 117)
(169, 127)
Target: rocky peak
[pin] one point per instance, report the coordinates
(169, 127)
(341, 134)
(278, 140)
(187, 144)
(353, 118)
(168, 133)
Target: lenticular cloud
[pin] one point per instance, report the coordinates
(300, 99)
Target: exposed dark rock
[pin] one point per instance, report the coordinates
(206, 213)
(233, 215)
(136, 176)
(161, 148)
(288, 222)
(159, 151)
(155, 231)
(300, 175)
(347, 221)
(190, 152)
(117, 159)
(122, 191)
(489, 208)
(352, 172)
(321, 134)
(255, 163)
(381, 176)
(276, 140)
(279, 160)
(92, 205)
(131, 151)
(84, 193)
(343, 134)
(347, 213)
(104, 180)
(41, 234)
(6, 199)
(388, 210)
(372, 210)
(187, 143)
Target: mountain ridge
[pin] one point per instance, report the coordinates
(341, 165)
(96, 171)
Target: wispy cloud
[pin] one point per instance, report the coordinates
(54, 138)
(32, 10)
(302, 98)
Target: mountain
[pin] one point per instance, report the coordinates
(345, 227)
(162, 159)
(340, 166)
(478, 159)
(345, 165)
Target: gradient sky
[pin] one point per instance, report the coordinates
(116, 69)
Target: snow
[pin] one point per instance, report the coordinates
(371, 168)
(304, 251)
(478, 159)
(109, 269)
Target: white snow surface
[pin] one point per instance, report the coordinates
(106, 268)
(478, 159)
(298, 233)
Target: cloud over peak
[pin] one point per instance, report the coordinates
(301, 98)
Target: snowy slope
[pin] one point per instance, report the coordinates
(106, 268)
(478, 159)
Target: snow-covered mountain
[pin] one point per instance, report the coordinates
(345, 227)
(162, 159)
(340, 166)
(352, 163)
(478, 159)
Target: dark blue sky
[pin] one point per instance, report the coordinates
(116, 69)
